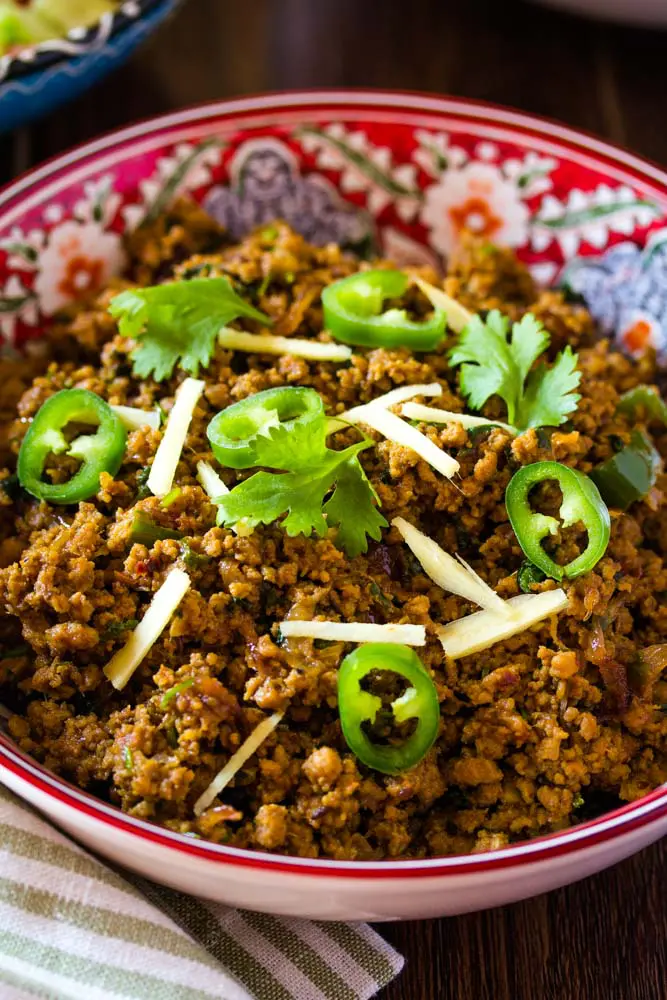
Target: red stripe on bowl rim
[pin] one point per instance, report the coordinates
(399, 104)
(392, 103)
(647, 810)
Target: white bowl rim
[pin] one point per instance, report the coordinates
(642, 812)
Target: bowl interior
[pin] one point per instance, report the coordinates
(395, 173)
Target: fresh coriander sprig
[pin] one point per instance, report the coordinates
(492, 364)
(178, 323)
(266, 496)
(317, 488)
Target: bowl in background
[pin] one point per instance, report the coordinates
(400, 173)
(38, 79)
(650, 13)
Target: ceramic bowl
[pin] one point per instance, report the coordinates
(401, 173)
(650, 13)
(38, 79)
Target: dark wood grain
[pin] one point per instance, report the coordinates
(605, 938)
(601, 939)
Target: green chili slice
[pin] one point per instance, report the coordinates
(245, 434)
(99, 452)
(629, 474)
(357, 706)
(353, 313)
(193, 559)
(147, 532)
(581, 502)
(644, 399)
(171, 497)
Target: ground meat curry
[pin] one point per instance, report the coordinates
(551, 726)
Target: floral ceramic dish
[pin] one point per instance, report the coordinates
(35, 79)
(405, 174)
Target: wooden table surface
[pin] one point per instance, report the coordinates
(605, 938)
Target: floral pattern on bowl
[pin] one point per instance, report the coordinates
(626, 291)
(265, 184)
(403, 172)
(371, 184)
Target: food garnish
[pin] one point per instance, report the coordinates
(178, 323)
(432, 415)
(211, 482)
(237, 760)
(282, 428)
(214, 488)
(644, 399)
(161, 477)
(165, 601)
(454, 575)
(406, 635)
(20, 28)
(302, 496)
(146, 532)
(173, 692)
(457, 315)
(23, 26)
(393, 398)
(528, 575)
(191, 558)
(629, 474)
(117, 628)
(400, 432)
(313, 471)
(358, 707)
(172, 496)
(482, 629)
(134, 418)
(353, 313)
(100, 452)
(267, 343)
(493, 365)
(379, 417)
(647, 669)
(581, 503)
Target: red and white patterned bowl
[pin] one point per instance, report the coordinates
(402, 173)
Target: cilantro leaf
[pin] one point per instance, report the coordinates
(261, 499)
(488, 368)
(549, 394)
(293, 448)
(177, 323)
(300, 495)
(493, 365)
(529, 340)
(354, 493)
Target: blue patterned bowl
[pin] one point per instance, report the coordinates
(37, 80)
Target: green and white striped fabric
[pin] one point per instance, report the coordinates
(72, 928)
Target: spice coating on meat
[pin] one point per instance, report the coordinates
(534, 732)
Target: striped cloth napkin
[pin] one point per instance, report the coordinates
(71, 928)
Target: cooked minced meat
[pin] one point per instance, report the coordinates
(536, 733)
